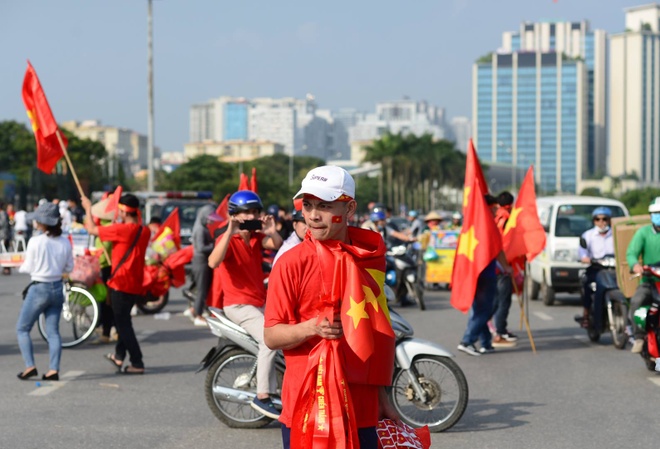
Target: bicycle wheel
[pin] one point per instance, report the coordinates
(80, 313)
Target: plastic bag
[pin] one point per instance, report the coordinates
(164, 245)
(86, 270)
(398, 435)
(430, 255)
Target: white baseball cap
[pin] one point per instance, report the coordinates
(328, 183)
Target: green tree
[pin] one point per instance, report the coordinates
(591, 191)
(637, 201)
(202, 173)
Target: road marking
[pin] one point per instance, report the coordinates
(655, 380)
(543, 316)
(145, 334)
(48, 387)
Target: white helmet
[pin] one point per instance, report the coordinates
(655, 205)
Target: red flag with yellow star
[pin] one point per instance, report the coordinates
(479, 242)
(523, 234)
(49, 149)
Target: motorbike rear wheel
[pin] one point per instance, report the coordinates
(152, 305)
(235, 366)
(619, 318)
(446, 390)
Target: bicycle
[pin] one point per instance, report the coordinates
(80, 314)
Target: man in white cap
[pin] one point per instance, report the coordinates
(304, 282)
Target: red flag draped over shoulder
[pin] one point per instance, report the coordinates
(49, 149)
(323, 416)
(479, 242)
(524, 235)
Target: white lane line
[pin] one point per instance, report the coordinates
(543, 316)
(47, 387)
(145, 334)
(655, 380)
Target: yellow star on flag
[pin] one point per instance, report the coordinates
(468, 243)
(370, 297)
(466, 195)
(33, 120)
(513, 219)
(357, 311)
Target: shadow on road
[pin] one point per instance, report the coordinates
(482, 415)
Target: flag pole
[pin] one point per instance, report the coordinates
(523, 316)
(68, 161)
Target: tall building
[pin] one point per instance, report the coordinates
(461, 131)
(224, 118)
(574, 40)
(635, 97)
(531, 108)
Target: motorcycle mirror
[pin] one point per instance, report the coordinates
(583, 243)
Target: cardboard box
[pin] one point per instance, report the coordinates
(623, 229)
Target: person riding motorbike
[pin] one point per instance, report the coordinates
(645, 243)
(596, 243)
(391, 236)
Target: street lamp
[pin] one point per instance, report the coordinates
(150, 94)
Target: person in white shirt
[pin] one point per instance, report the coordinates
(48, 257)
(296, 237)
(65, 214)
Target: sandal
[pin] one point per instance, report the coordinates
(116, 363)
(131, 370)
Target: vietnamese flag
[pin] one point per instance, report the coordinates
(523, 234)
(220, 217)
(479, 242)
(254, 186)
(174, 225)
(243, 182)
(49, 148)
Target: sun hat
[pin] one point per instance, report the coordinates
(328, 183)
(433, 216)
(47, 214)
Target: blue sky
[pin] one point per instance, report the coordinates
(91, 55)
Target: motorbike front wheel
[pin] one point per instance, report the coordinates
(152, 305)
(619, 319)
(235, 369)
(446, 393)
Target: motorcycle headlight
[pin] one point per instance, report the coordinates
(565, 255)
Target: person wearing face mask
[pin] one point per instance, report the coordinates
(645, 243)
(598, 243)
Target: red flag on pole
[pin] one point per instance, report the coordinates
(174, 225)
(220, 217)
(479, 242)
(253, 181)
(243, 183)
(523, 234)
(49, 150)
(113, 202)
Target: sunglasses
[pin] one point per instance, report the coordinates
(601, 219)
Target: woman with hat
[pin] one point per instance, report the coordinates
(48, 257)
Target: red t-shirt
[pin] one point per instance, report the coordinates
(241, 274)
(294, 286)
(128, 278)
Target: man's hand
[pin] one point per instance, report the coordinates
(269, 227)
(638, 269)
(326, 329)
(86, 203)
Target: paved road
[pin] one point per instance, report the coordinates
(570, 394)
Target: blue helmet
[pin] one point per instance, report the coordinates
(602, 210)
(273, 210)
(413, 214)
(244, 200)
(377, 216)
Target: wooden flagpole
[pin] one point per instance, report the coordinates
(522, 314)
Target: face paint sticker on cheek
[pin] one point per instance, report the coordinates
(337, 218)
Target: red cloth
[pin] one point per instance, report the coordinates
(479, 242)
(49, 149)
(243, 183)
(221, 216)
(113, 201)
(474, 171)
(241, 274)
(176, 264)
(254, 186)
(129, 277)
(294, 295)
(524, 235)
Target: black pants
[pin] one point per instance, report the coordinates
(122, 303)
(642, 297)
(202, 277)
(105, 309)
(367, 436)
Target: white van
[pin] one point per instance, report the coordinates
(564, 218)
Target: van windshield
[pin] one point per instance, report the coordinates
(573, 220)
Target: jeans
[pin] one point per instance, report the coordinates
(122, 303)
(480, 312)
(46, 298)
(251, 319)
(642, 297)
(502, 303)
(367, 436)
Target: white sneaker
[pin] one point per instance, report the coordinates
(200, 321)
(469, 349)
(188, 312)
(637, 346)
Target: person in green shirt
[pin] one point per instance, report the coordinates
(645, 243)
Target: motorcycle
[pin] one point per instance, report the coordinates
(614, 316)
(647, 317)
(428, 387)
(402, 274)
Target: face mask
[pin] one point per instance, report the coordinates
(655, 219)
(603, 229)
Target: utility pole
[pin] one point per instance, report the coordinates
(150, 94)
